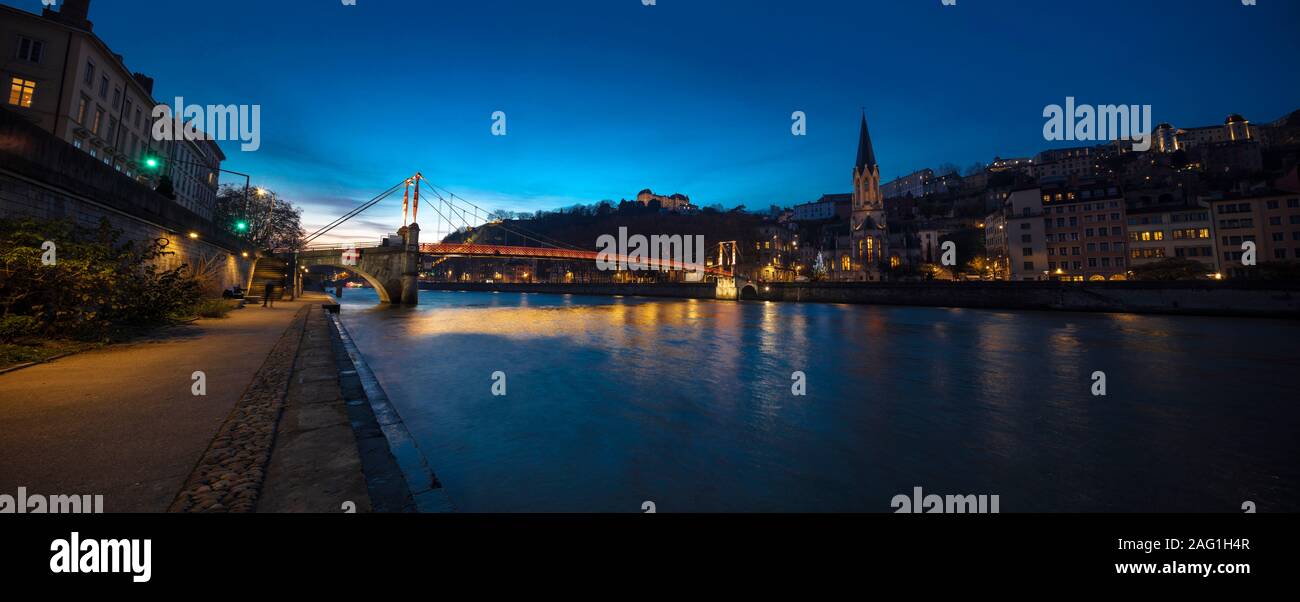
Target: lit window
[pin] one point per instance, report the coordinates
(21, 91)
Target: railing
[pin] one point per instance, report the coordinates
(340, 246)
(479, 250)
(475, 250)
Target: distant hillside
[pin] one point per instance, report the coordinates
(1288, 129)
(580, 227)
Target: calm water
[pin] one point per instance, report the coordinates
(615, 401)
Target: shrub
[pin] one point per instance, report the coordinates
(13, 328)
(213, 308)
(95, 284)
(1172, 268)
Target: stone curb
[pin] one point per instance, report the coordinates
(229, 475)
(57, 356)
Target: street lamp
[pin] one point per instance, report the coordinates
(154, 163)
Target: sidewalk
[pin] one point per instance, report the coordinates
(122, 422)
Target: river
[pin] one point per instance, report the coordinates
(614, 401)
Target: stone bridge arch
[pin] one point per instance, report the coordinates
(383, 267)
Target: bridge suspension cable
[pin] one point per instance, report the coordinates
(323, 230)
(544, 243)
(516, 229)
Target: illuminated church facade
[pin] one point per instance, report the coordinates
(868, 237)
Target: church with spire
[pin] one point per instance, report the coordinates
(867, 235)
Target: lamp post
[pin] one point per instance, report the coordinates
(154, 162)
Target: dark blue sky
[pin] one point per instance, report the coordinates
(606, 97)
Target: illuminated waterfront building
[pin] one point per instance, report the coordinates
(1183, 231)
(1269, 218)
(1084, 226)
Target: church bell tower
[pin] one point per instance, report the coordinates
(868, 222)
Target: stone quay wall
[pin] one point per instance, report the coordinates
(685, 290)
(1192, 298)
(1262, 299)
(43, 177)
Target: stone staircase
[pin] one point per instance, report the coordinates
(268, 269)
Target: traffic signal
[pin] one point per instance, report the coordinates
(152, 162)
(241, 226)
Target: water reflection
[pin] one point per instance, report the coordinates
(613, 401)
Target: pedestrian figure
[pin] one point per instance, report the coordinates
(267, 301)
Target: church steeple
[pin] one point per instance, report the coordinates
(866, 154)
(869, 234)
(866, 174)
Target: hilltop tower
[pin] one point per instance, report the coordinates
(868, 223)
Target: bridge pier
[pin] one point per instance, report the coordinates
(733, 288)
(393, 270)
(411, 265)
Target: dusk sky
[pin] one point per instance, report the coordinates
(607, 97)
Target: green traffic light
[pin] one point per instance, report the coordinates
(151, 162)
(241, 226)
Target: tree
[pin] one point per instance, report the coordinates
(978, 265)
(1173, 268)
(264, 219)
(1276, 270)
(970, 246)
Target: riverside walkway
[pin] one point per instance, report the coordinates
(124, 422)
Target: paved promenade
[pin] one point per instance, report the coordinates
(123, 422)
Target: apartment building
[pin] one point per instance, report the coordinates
(1015, 237)
(1084, 226)
(1183, 231)
(67, 80)
(1269, 218)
